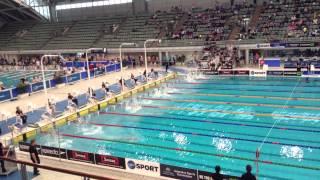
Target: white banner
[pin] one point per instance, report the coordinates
(143, 167)
(258, 73)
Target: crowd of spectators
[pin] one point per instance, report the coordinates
(222, 58)
(28, 61)
(211, 24)
(283, 19)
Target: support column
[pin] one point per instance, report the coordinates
(52, 11)
(247, 56)
(160, 58)
(167, 56)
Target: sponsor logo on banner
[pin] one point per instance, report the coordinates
(37, 87)
(263, 45)
(24, 146)
(241, 72)
(258, 73)
(53, 152)
(226, 72)
(275, 73)
(110, 161)
(5, 95)
(291, 73)
(143, 167)
(307, 44)
(80, 156)
(73, 77)
(177, 172)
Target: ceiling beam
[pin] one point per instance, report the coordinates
(12, 9)
(21, 9)
(11, 16)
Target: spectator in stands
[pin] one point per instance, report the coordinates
(217, 175)
(1, 161)
(21, 115)
(34, 156)
(248, 175)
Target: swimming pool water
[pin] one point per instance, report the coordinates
(201, 122)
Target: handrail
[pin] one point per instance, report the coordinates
(57, 169)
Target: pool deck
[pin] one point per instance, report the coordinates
(37, 100)
(104, 171)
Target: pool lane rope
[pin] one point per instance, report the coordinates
(231, 112)
(233, 103)
(258, 151)
(244, 96)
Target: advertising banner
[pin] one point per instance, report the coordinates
(263, 45)
(80, 156)
(73, 78)
(258, 73)
(5, 95)
(116, 162)
(53, 152)
(39, 86)
(302, 44)
(226, 72)
(143, 167)
(275, 73)
(177, 172)
(291, 73)
(241, 72)
(23, 146)
(99, 71)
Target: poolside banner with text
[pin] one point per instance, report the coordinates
(111, 161)
(143, 167)
(53, 152)
(226, 72)
(178, 172)
(23, 146)
(5, 95)
(80, 156)
(258, 73)
(73, 77)
(241, 72)
(275, 73)
(131, 165)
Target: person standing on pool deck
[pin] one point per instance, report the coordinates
(217, 175)
(34, 156)
(1, 161)
(248, 175)
(167, 66)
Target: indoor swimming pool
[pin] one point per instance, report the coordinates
(198, 122)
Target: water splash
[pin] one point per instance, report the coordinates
(222, 144)
(133, 106)
(180, 139)
(89, 131)
(102, 149)
(294, 152)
